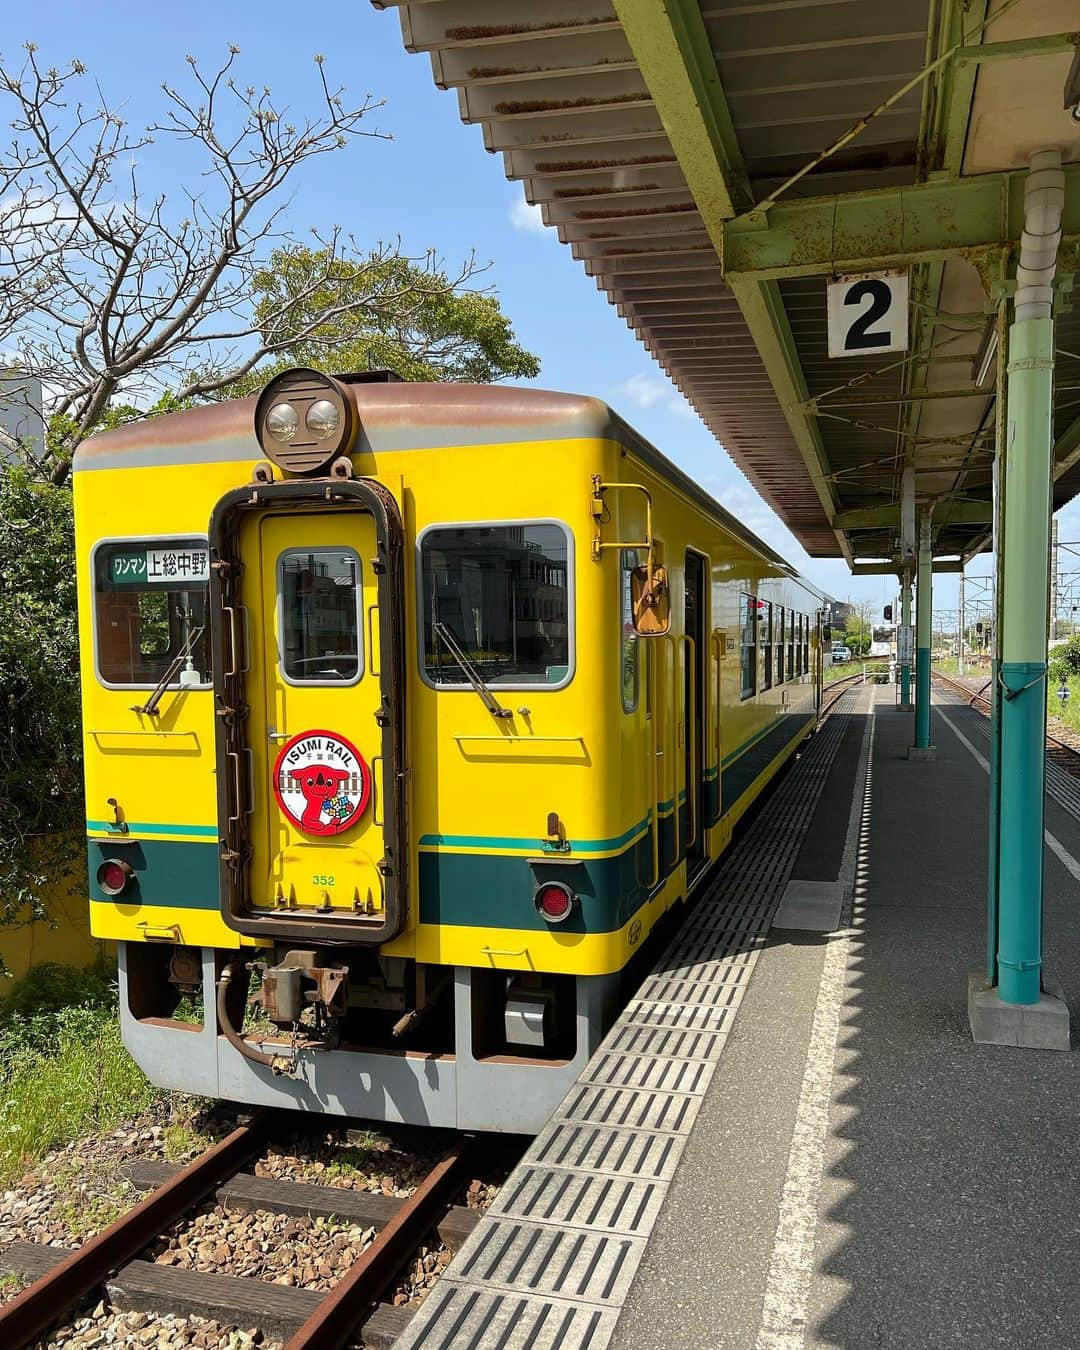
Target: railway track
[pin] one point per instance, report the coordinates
(1059, 752)
(832, 693)
(303, 1318)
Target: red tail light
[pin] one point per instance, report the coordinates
(114, 874)
(554, 901)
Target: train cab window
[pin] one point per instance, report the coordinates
(630, 649)
(765, 628)
(748, 644)
(778, 641)
(319, 630)
(150, 613)
(503, 595)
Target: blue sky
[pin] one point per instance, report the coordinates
(433, 184)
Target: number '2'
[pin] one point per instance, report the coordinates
(859, 337)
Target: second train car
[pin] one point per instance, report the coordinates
(410, 710)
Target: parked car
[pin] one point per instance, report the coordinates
(840, 654)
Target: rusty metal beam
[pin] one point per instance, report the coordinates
(890, 227)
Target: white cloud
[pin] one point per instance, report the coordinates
(646, 390)
(526, 217)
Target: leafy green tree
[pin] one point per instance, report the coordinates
(1065, 660)
(857, 634)
(40, 736)
(376, 311)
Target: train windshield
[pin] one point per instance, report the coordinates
(319, 631)
(503, 592)
(150, 598)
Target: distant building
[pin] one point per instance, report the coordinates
(21, 417)
(837, 613)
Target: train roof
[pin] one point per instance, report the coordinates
(399, 415)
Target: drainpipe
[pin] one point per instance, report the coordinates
(905, 621)
(923, 622)
(1026, 546)
(907, 550)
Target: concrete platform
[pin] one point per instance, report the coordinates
(789, 1138)
(861, 1174)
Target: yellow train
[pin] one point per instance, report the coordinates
(409, 710)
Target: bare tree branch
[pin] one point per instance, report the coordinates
(104, 292)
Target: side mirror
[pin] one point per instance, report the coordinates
(651, 599)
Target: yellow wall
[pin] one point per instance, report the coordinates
(66, 940)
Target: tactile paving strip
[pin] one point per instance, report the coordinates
(550, 1264)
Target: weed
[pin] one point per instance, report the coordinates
(84, 1082)
(181, 1139)
(83, 1214)
(354, 1162)
(48, 1000)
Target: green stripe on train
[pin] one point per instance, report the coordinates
(469, 889)
(179, 873)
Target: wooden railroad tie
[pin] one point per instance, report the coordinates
(277, 1310)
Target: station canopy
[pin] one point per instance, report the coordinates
(693, 157)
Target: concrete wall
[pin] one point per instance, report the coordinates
(66, 939)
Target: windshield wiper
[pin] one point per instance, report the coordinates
(150, 707)
(490, 702)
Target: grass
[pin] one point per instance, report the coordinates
(846, 668)
(182, 1138)
(64, 1072)
(1069, 715)
(356, 1161)
(90, 1203)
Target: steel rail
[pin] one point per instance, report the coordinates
(29, 1316)
(335, 1321)
(837, 690)
(1065, 755)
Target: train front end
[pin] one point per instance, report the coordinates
(283, 805)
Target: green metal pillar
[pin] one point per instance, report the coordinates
(905, 620)
(1025, 544)
(923, 618)
(1000, 456)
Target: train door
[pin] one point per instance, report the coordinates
(307, 810)
(695, 689)
(313, 698)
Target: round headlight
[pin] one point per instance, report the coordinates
(282, 422)
(304, 420)
(323, 419)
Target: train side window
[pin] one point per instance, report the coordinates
(504, 594)
(791, 645)
(319, 600)
(748, 644)
(778, 639)
(630, 650)
(150, 612)
(806, 644)
(765, 627)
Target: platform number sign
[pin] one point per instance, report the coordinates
(868, 314)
